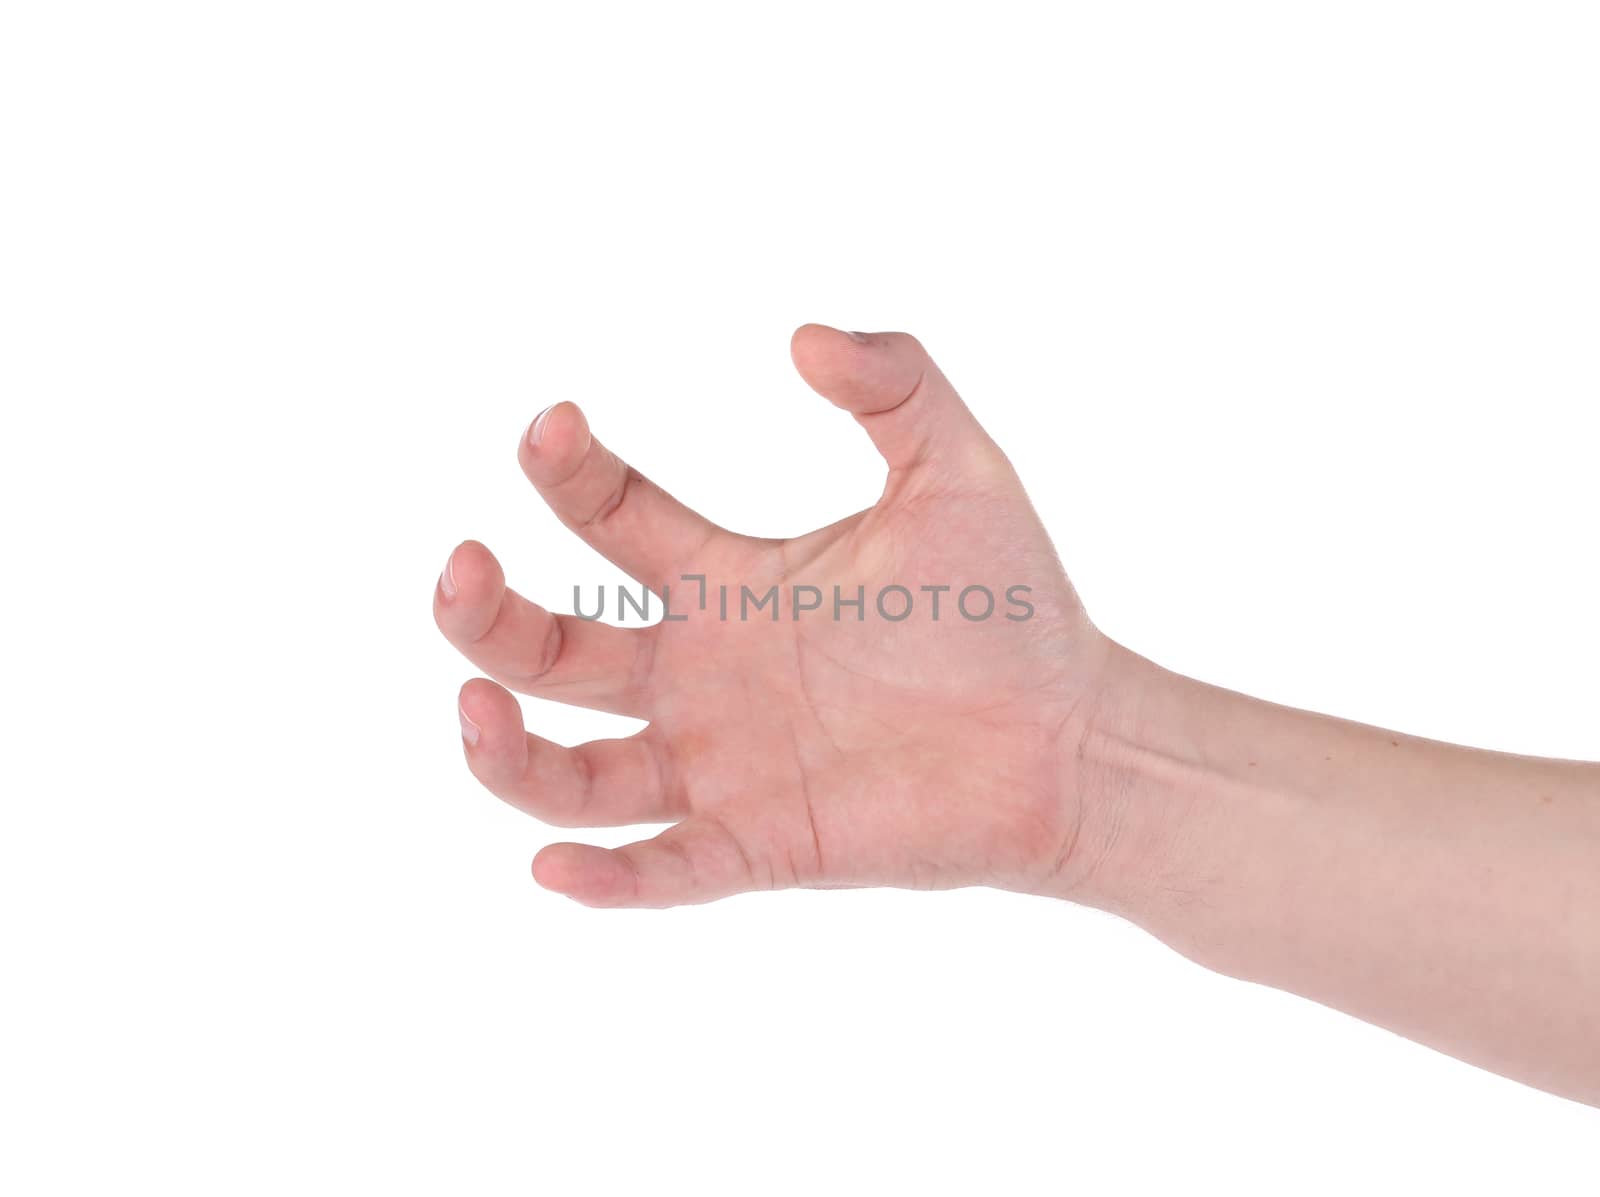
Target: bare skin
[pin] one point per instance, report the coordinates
(1449, 894)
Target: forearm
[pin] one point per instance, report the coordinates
(1449, 894)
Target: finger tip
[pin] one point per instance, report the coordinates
(812, 343)
(558, 435)
(587, 874)
(468, 590)
(851, 370)
(473, 570)
(492, 734)
(486, 702)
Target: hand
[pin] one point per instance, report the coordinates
(932, 751)
(1384, 875)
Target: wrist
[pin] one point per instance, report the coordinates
(1147, 791)
(1199, 811)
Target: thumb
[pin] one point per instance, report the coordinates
(891, 385)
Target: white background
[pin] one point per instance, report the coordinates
(1286, 313)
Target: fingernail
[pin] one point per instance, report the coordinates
(447, 579)
(469, 729)
(859, 337)
(536, 429)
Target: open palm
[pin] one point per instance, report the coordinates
(924, 737)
